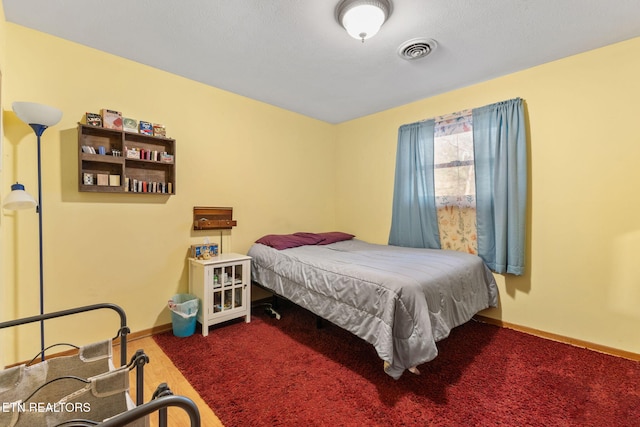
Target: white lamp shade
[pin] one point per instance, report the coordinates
(363, 18)
(37, 114)
(18, 199)
(364, 21)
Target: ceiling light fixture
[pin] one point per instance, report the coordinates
(363, 18)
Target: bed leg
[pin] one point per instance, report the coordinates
(161, 391)
(269, 308)
(273, 313)
(138, 361)
(414, 370)
(274, 306)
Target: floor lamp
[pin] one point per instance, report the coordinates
(39, 117)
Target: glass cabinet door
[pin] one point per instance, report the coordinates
(238, 278)
(216, 294)
(217, 301)
(217, 277)
(227, 284)
(237, 302)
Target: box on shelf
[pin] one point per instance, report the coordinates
(103, 179)
(146, 128)
(204, 251)
(166, 158)
(159, 130)
(130, 125)
(87, 178)
(132, 153)
(111, 119)
(93, 119)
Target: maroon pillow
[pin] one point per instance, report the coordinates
(286, 241)
(334, 236)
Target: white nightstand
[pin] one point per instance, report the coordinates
(223, 285)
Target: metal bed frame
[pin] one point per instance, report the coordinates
(162, 397)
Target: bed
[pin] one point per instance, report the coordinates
(400, 300)
(83, 387)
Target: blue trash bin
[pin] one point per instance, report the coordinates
(184, 312)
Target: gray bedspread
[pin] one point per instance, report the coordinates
(401, 300)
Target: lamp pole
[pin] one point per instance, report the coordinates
(39, 117)
(39, 129)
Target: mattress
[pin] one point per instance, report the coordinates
(401, 300)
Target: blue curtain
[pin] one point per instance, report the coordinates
(499, 138)
(414, 220)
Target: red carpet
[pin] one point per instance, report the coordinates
(288, 373)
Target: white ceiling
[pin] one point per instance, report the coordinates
(294, 55)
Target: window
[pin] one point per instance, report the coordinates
(454, 182)
(437, 201)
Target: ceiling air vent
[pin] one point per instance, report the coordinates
(416, 48)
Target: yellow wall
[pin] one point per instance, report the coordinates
(283, 172)
(272, 166)
(583, 273)
(3, 239)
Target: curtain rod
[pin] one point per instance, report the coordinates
(468, 111)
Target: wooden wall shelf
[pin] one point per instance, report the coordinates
(208, 218)
(115, 172)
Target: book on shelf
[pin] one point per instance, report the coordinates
(111, 119)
